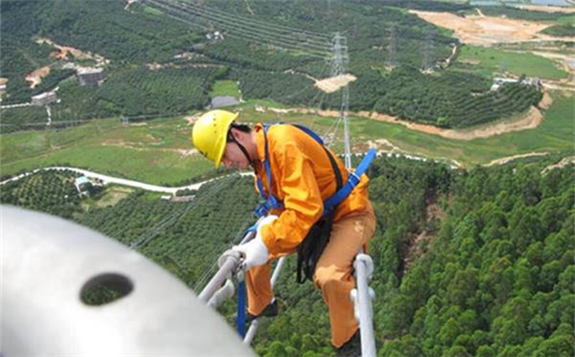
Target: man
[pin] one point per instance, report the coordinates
(297, 172)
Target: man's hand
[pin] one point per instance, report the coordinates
(255, 251)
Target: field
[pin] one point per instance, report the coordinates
(158, 152)
(487, 61)
(224, 88)
(566, 20)
(555, 134)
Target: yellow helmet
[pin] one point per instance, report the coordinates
(210, 132)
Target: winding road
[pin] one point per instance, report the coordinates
(120, 181)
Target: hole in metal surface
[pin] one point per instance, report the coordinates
(105, 288)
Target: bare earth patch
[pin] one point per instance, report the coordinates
(190, 152)
(488, 30)
(191, 119)
(544, 8)
(546, 101)
(530, 120)
(35, 77)
(120, 143)
(386, 144)
(330, 85)
(78, 54)
(564, 162)
(507, 159)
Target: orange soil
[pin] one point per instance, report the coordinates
(487, 30)
(330, 85)
(35, 77)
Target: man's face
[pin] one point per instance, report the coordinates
(234, 158)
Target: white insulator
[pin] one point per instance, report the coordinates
(224, 293)
(354, 297)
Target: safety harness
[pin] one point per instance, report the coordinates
(317, 238)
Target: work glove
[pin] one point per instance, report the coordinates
(255, 252)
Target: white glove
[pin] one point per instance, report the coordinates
(255, 251)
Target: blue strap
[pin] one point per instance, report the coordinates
(253, 228)
(310, 132)
(352, 181)
(270, 201)
(241, 317)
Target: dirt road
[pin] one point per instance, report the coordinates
(530, 120)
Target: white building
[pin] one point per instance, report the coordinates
(43, 99)
(91, 77)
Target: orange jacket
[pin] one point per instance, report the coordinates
(302, 177)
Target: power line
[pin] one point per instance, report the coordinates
(391, 50)
(265, 25)
(154, 231)
(322, 40)
(268, 38)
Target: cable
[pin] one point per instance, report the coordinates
(243, 34)
(251, 24)
(241, 31)
(154, 231)
(265, 25)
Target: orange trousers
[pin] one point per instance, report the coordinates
(333, 274)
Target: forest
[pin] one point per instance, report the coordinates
(387, 48)
(468, 263)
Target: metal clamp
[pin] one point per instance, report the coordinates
(354, 295)
(367, 261)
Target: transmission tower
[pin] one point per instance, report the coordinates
(339, 63)
(502, 67)
(391, 54)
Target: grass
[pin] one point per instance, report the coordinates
(152, 152)
(566, 20)
(109, 197)
(489, 61)
(555, 134)
(225, 88)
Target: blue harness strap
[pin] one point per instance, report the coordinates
(241, 316)
(352, 181)
(271, 202)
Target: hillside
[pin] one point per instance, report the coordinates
(470, 107)
(158, 63)
(469, 263)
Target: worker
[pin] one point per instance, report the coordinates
(296, 174)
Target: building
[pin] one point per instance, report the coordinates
(83, 185)
(90, 77)
(532, 81)
(499, 81)
(180, 199)
(223, 101)
(216, 35)
(43, 99)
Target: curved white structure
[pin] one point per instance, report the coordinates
(47, 263)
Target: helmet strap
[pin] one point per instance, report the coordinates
(232, 139)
